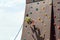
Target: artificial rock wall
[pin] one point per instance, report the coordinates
(37, 20)
(40, 13)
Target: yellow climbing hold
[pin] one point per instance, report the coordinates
(48, 17)
(43, 8)
(45, 14)
(39, 19)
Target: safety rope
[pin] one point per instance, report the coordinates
(18, 32)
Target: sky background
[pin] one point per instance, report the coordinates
(11, 18)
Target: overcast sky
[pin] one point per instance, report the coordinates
(11, 18)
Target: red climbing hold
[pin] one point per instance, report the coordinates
(54, 24)
(54, 16)
(58, 9)
(59, 27)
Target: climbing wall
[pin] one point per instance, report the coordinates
(39, 16)
(56, 4)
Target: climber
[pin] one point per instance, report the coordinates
(28, 20)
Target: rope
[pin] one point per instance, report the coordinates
(18, 32)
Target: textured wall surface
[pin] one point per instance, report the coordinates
(56, 4)
(40, 13)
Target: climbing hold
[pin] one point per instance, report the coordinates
(43, 2)
(24, 39)
(43, 8)
(37, 3)
(44, 24)
(58, 9)
(45, 14)
(30, 12)
(58, 27)
(54, 24)
(31, 7)
(39, 19)
(48, 17)
(36, 9)
(28, 32)
(54, 16)
(58, 2)
(25, 26)
(27, 15)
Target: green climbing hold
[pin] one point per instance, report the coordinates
(36, 9)
(37, 3)
(28, 32)
(31, 7)
(30, 12)
(24, 39)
